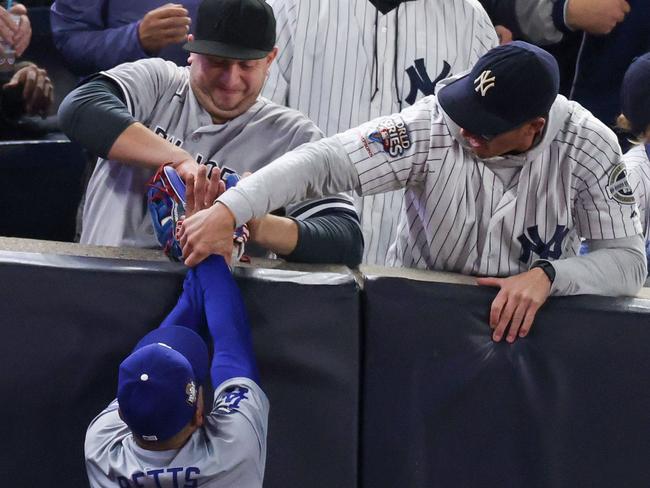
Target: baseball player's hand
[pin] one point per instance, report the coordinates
(186, 167)
(37, 92)
(19, 34)
(163, 26)
(516, 304)
(201, 191)
(207, 232)
(595, 16)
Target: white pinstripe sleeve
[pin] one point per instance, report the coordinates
(606, 206)
(391, 152)
(276, 87)
(638, 165)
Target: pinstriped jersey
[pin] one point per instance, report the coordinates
(494, 217)
(228, 450)
(158, 94)
(343, 62)
(637, 162)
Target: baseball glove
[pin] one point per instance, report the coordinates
(166, 202)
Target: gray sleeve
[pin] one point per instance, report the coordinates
(241, 411)
(97, 103)
(311, 171)
(612, 267)
(145, 83)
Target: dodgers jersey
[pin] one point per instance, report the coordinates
(158, 94)
(343, 62)
(637, 162)
(229, 450)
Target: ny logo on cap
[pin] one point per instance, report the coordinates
(484, 82)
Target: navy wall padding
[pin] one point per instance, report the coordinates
(445, 406)
(68, 322)
(42, 188)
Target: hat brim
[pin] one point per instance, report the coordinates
(186, 342)
(461, 103)
(216, 48)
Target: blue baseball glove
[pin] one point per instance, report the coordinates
(166, 202)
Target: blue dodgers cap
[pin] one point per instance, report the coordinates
(635, 94)
(158, 383)
(507, 86)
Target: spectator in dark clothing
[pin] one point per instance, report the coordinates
(95, 35)
(26, 88)
(594, 41)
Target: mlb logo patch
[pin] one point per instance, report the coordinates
(392, 133)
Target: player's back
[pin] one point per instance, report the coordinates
(228, 450)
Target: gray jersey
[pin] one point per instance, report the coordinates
(229, 450)
(158, 94)
(342, 62)
(482, 217)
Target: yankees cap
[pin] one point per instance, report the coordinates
(635, 94)
(237, 29)
(158, 383)
(508, 85)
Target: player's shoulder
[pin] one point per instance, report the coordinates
(637, 158)
(584, 132)
(106, 432)
(286, 119)
(240, 415)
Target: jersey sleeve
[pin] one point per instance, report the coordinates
(227, 321)
(145, 83)
(277, 85)
(86, 43)
(103, 435)
(189, 309)
(637, 164)
(394, 151)
(605, 204)
(240, 413)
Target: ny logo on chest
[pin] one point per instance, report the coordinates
(533, 243)
(420, 80)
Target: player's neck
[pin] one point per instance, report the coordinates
(174, 443)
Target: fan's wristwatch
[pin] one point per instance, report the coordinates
(548, 269)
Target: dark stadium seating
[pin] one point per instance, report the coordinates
(42, 187)
(395, 384)
(68, 322)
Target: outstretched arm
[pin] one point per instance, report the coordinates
(227, 321)
(189, 310)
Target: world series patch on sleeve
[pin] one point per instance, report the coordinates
(392, 133)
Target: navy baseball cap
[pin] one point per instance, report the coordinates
(236, 29)
(158, 383)
(635, 94)
(508, 85)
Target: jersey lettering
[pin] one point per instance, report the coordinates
(159, 131)
(420, 80)
(190, 479)
(545, 250)
(392, 133)
(225, 170)
(229, 400)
